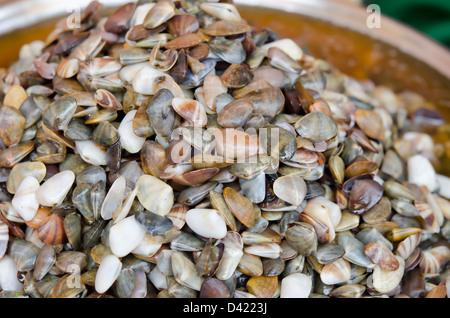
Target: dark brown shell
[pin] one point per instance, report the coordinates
(119, 21)
(365, 194)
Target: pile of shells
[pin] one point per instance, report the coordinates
(171, 150)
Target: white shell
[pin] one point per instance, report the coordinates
(444, 185)
(296, 285)
(107, 273)
(384, 281)
(143, 80)
(333, 210)
(268, 250)
(319, 212)
(207, 223)
(336, 272)
(122, 212)
(125, 236)
(222, 11)
(155, 195)
(421, 172)
(157, 278)
(140, 13)
(147, 247)
(128, 139)
(288, 46)
(114, 198)
(128, 72)
(53, 191)
(25, 201)
(291, 188)
(90, 152)
(8, 274)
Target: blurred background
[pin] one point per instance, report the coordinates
(431, 17)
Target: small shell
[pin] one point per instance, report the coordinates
(51, 231)
(262, 286)
(128, 139)
(185, 272)
(107, 100)
(191, 110)
(207, 223)
(268, 250)
(158, 14)
(125, 236)
(68, 68)
(336, 272)
(154, 194)
(53, 191)
(381, 255)
(26, 200)
(222, 11)
(296, 285)
(385, 281)
(291, 189)
(107, 273)
(240, 206)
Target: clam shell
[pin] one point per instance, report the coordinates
(336, 272)
(267, 101)
(228, 50)
(8, 275)
(185, 272)
(262, 286)
(51, 230)
(291, 189)
(296, 285)
(12, 125)
(365, 194)
(226, 28)
(385, 281)
(316, 126)
(91, 153)
(155, 195)
(44, 261)
(370, 123)
(158, 14)
(182, 24)
(53, 191)
(128, 139)
(191, 110)
(207, 223)
(26, 200)
(125, 236)
(222, 11)
(214, 288)
(267, 250)
(381, 255)
(233, 251)
(302, 238)
(107, 273)
(240, 206)
(231, 143)
(235, 114)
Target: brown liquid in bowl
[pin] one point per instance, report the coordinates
(355, 54)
